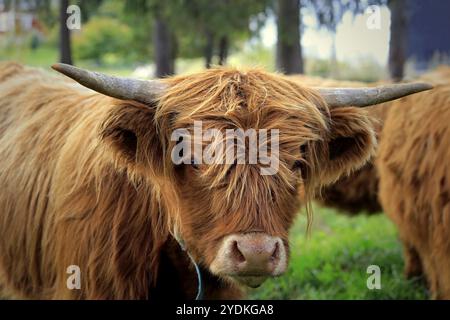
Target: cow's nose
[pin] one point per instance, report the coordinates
(251, 258)
(258, 254)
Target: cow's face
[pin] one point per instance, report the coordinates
(235, 219)
(234, 215)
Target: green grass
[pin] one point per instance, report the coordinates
(332, 263)
(43, 56)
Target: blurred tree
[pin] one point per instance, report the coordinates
(289, 57)
(65, 52)
(103, 37)
(45, 12)
(220, 22)
(398, 41)
(88, 8)
(164, 45)
(192, 28)
(223, 49)
(209, 48)
(159, 32)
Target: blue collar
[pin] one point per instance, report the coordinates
(197, 270)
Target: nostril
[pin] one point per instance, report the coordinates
(276, 252)
(237, 254)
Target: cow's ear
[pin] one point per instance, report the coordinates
(130, 134)
(350, 143)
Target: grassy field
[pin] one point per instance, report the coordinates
(332, 263)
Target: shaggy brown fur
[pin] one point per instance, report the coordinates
(414, 167)
(358, 192)
(87, 180)
(355, 193)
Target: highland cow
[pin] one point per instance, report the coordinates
(413, 162)
(87, 179)
(413, 169)
(358, 192)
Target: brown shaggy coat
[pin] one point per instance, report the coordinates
(414, 166)
(358, 192)
(87, 180)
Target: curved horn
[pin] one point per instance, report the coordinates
(121, 88)
(364, 97)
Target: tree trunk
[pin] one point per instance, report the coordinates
(65, 52)
(209, 49)
(397, 43)
(174, 52)
(289, 51)
(163, 44)
(223, 50)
